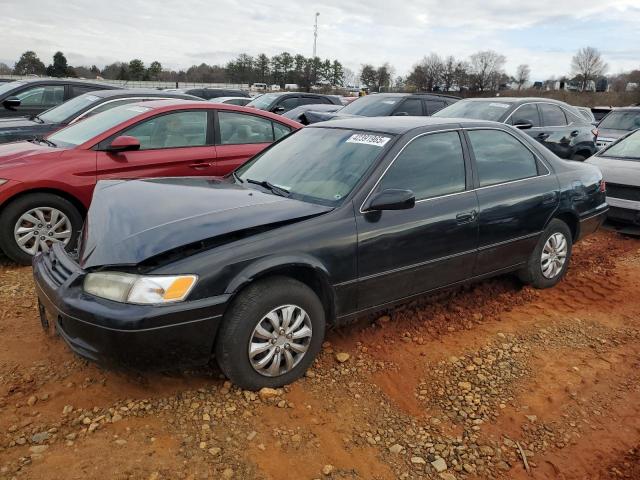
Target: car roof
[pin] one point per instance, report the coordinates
(515, 100)
(418, 94)
(134, 92)
(222, 99)
(398, 125)
(179, 104)
(626, 109)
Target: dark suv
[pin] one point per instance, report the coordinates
(283, 102)
(25, 98)
(387, 105)
(556, 125)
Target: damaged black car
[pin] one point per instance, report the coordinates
(334, 221)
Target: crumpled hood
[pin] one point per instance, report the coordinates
(614, 170)
(20, 153)
(131, 221)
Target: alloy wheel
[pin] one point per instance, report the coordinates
(39, 228)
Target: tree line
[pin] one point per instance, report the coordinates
(480, 72)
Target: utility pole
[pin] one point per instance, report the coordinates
(315, 35)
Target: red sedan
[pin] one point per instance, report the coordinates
(46, 184)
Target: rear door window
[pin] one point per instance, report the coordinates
(552, 115)
(500, 157)
(434, 106)
(240, 128)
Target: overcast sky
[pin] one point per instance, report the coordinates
(543, 33)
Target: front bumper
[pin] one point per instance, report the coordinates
(142, 336)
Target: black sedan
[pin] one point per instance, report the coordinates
(78, 108)
(24, 98)
(336, 220)
(557, 125)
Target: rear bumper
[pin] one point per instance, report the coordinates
(591, 223)
(112, 333)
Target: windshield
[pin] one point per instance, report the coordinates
(629, 120)
(83, 131)
(263, 101)
(319, 165)
(68, 109)
(7, 87)
(477, 110)
(372, 106)
(628, 148)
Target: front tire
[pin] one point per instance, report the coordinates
(271, 334)
(34, 222)
(549, 261)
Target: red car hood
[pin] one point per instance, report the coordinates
(19, 153)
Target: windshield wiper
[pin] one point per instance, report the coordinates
(43, 140)
(236, 177)
(283, 192)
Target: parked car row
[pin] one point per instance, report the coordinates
(163, 230)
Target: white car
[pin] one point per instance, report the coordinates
(620, 165)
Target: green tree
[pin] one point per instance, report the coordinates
(123, 74)
(337, 74)
(287, 63)
(369, 76)
(136, 69)
(154, 71)
(261, 67)
(59, 67)
(29, 64)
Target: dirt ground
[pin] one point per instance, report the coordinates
(462, 385)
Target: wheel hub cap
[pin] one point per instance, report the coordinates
(280, 340)
(554, 255)
(39, 228)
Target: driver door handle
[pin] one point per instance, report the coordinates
(465, 217)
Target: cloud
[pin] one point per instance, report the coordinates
(544, 34)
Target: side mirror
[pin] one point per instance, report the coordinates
(523, 124)
(11, 103)
(278, 109)
(392, 199)
(124, 143)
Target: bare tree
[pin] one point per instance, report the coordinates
(486, 67)
(587, 65)
(522, 75)
(448, 77)
(432, 66)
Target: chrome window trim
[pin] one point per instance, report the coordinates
(540, 114)
(396, 157)
(472, 189)
(80, 117)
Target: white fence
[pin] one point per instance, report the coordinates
(146, 83)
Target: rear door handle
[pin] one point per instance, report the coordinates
(465, 217)
(200, 165)
(543, 136)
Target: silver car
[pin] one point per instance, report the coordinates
(617, 124)
(620, 165)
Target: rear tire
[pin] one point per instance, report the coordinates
(549, 261)
(276, 319)
(44, 207)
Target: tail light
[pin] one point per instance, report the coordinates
(603, 186)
